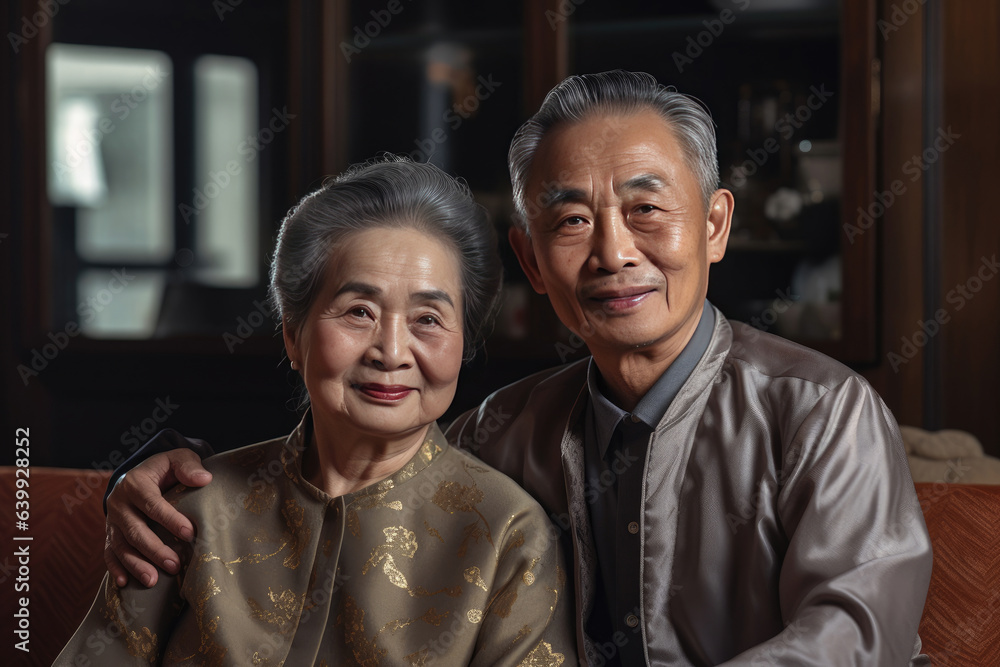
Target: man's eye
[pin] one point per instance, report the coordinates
(645, 208)
(428, 320)
(573, 221)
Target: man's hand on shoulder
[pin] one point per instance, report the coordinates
(131, 546)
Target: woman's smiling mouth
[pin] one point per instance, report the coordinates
(384, 392)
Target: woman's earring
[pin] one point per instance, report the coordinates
(294, 367)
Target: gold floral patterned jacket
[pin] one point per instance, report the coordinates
(446, 562)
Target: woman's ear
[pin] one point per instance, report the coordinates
(291, 337)
(720, 218)
(521, 243)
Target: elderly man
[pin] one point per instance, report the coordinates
(729, 497)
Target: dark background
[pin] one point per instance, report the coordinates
(895, 88)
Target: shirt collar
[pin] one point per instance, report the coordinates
(300, 439)
(654, 404)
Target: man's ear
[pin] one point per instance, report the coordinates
(521, 243)
(720, 218)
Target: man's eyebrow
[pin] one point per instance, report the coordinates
(649, 182)
(556, 195)
(432, 295)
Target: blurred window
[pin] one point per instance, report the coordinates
(121, 238)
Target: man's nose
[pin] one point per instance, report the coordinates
(390, 348)
(613, 243)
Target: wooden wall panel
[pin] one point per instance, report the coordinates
(545, 50)
(899, 380)
(970, 341)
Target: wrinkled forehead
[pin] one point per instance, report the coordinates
(637, 149)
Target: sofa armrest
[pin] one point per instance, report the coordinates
(65, 556)
(961, 620)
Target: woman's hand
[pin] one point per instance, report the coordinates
(131, 546)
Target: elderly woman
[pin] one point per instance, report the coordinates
(362, 537)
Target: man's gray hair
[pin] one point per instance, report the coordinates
(620, 93)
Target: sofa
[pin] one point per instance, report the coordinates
(65, 562)
(961, 621)
(960, 624)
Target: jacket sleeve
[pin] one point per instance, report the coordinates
(164, 441)
(125, 626)
(529, 617)
(855, 576)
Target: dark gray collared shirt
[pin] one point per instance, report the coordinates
(615, 444)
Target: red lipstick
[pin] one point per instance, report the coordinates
(384, 392)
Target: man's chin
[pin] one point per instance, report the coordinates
(625, 341)
(625, 338)
(626, 331)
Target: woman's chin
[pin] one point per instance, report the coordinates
(379, 421)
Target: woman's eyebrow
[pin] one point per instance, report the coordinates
(366, 289)
(358, 288)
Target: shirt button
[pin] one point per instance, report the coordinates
(633, 527)
(631, 620)
(635, 418)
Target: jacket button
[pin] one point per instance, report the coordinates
(633, 527)
(631, 620)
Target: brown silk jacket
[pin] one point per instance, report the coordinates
(446, 562)
(780, 524)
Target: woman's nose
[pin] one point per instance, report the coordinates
(390, 349)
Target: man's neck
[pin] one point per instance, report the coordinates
(628, 375)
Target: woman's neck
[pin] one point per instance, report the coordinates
(341, 461)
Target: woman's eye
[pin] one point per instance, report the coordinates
(428, 320)
(360, 311)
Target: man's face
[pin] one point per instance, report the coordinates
(620, 238)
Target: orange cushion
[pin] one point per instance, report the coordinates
(961, 621)
(66, 561)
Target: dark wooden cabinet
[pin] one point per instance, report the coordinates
(812, 66)
(813, 97)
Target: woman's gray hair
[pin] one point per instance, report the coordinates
(389, 192)
(621, 93)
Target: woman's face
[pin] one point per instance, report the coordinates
(381, 348)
